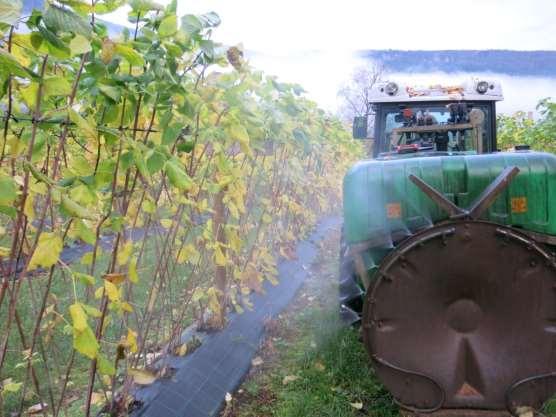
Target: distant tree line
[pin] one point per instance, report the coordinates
(536, 63)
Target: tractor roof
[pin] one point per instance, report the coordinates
(471, 90)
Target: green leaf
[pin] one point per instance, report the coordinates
(8, 211)
(191, 24)
(9, 65)
(239, 133)
(11, 387)
(57, 86)
(85, 342)
(92, 311)
(78, 317)
(171, 133)
(84, 278)
(86, 234)
(144, 6)
(10, 11)
(108, 6)
(105, 367)
(132, 271)
(186, 147)
(110, 91)
(55, 45)
(210, 19)
(168, 26)
(177, 176)
(79, 45)
(8, 191)
(47, 252)
(87, 129)
(130, 55)
(60, 19)
(155, 161)
(75, 210)
(79, 6)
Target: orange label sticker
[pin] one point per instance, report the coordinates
(394, 210)
(519, 205)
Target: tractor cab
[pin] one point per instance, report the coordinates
(434, 120)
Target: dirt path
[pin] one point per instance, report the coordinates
(309, 364)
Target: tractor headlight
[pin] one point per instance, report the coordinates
(391, 89)
(482, 87)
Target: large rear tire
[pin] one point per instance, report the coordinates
(350, 292)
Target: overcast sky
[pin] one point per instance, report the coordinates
(313, 42)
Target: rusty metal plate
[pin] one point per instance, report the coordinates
(463, 316)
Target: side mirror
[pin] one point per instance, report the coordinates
(360, 127)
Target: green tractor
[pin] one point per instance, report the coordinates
(447, 258)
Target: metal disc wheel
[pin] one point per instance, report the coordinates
(463, 316)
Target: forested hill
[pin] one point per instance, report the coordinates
(537, 63)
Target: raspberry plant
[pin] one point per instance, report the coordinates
(175, 174)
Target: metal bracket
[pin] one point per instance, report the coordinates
(481, 203)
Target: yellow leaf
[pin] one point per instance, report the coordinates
(166, 223)
(181, 350)
(112, 291)
(4, 252)
(188, 253)
(78, 317)
(29, 209)
(56, 86)
(125, 306)
(47, 252)
(79, 45)
(198, 294)
(141, 376)
(219, 257)
(213, 302)
(99, 292)
(131, 340)
(108, 49)
(132, 271)
(238, 132)
(85, 342)
(125, 252)
(87, 259)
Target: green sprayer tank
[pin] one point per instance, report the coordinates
(447, 259)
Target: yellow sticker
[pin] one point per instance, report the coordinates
(393, 210)
(519, 205)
